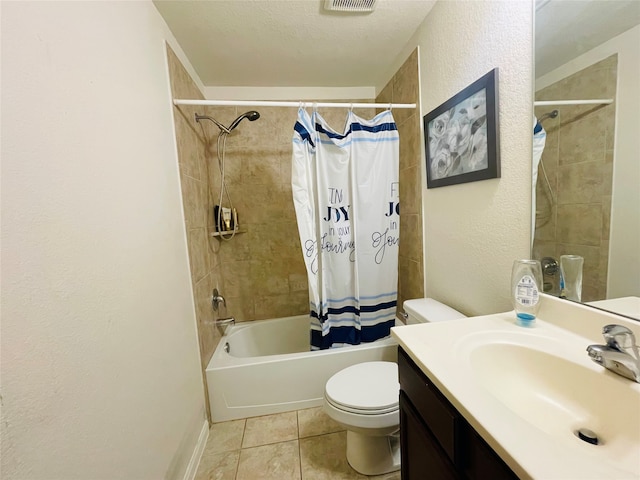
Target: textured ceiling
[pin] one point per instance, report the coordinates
(296, 43)
(264, 43)
(566, 29)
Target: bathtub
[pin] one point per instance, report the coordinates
(268, 368)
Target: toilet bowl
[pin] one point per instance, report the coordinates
(364, 399)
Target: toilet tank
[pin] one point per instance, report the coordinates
(424, 310)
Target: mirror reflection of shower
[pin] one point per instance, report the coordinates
(575, 173)
(591, 50)
(226, 221)
(544, 213)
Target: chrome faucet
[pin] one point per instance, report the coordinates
(620, 354)
(224, 323)
(217, 299)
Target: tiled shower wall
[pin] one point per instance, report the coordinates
(204, 255)
(578, 160)
(404, 88)
(262, 265)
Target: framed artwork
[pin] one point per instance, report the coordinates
(461, 135)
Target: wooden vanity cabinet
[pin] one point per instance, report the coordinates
(436, 441)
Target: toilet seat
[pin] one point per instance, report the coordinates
(369, 388)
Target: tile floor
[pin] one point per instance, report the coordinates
(302, 445)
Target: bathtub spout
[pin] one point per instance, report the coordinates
(224, 323)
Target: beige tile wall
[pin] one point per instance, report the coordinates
(204, 257)
(578, 159)
(403, 88)
(263, 267)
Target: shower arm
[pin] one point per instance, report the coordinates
(217, 123)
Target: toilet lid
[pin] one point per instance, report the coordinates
(370, 387)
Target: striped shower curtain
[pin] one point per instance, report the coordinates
(345, 192)
(539, 140)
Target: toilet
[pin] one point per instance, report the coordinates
(364, 399)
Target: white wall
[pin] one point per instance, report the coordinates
(474, 231)
(100, 367)
(624, 242)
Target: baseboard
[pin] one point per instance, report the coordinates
(194, 462)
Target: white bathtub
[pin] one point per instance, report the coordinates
(269, 368)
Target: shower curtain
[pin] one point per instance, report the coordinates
(345, 192)
(539, 140)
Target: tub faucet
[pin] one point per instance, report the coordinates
(620, 354)
(224, 323)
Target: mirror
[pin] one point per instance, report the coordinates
(586, 199)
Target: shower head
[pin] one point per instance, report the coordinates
(252, 116)
(218, 124)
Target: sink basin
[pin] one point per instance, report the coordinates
(560, 396)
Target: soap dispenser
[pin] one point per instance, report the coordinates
(526, 282)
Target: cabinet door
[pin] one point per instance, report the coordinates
(422, 456)
(444, 422)
(484, 463)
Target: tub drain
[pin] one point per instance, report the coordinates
(587, 435)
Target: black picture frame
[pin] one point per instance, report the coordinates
(461, 140)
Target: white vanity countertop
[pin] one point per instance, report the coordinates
(529, 419)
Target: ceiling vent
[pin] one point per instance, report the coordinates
(356, 6)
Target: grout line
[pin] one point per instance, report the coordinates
(235, 474)
(244, 431)
(322, 434)
(299, 445)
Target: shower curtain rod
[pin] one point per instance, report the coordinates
(602, 101)
(265, 103)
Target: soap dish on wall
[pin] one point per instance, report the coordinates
(228, 232)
